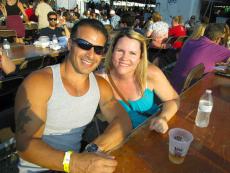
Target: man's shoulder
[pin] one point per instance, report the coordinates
(39, 80)
(45, 29)
(102, 82)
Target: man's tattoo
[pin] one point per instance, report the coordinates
(23, 119)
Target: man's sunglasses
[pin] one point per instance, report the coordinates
(83, 44)
(52, 19)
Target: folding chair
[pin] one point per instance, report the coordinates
(31, 65)
(193, 76)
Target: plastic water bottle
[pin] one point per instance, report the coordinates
(6, 44)
(228, 44)
(55, 40)
(204, 109)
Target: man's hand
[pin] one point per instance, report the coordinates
(159, 124)
(92, 163)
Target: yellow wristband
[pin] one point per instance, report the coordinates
(66, 161)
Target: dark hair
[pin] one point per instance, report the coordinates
(96, 24)
(51, 13)
(128, 19)
(214, 31)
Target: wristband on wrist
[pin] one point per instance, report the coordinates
(66, 161)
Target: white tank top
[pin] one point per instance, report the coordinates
(67, 117)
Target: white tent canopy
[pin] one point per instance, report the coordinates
(67, 4)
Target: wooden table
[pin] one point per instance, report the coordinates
(19, 52)
(147, 151)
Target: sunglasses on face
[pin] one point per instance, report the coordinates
(83, 44)
(52, 19)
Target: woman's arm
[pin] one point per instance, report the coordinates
(167, 95)
(3, 9)
(20, 6)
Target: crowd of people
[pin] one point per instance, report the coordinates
(54, 105)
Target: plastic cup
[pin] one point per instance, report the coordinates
(179, 142)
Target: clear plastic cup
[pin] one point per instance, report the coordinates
(179, 142)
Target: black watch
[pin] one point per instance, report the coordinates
(92, 148)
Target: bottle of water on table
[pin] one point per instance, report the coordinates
(6, 46)
(55, 40)
(204, 109)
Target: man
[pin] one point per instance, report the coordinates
(52, 29)
(204, 50)
(42, 9)
(54, 105)
(114, 20)
(190, 24)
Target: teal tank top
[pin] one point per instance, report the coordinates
(139, 110)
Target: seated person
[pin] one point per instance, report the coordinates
(52, 29)
(190, 24)
(54, 105)
(156, 17)
(206, 50)
(135, 81)
(6, 65)
(158, 47)
(177, 30)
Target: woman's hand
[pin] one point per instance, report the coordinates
(159, 124)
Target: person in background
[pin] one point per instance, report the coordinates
(30, 12)
(6, 65)
(114, 19)
(127, 20)
(198, 31)
(12, 11)
(54, 105)
(190, 24)
(159, 36)
(177, 30)
(105, 20)
(136, 83)
(204, 50)
(156, 17)
(53, 29)
(42, 9)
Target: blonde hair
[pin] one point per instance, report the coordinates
(198, 31)
(140, 73)
(156, 17)
(178, 19)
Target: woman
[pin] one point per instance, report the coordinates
(135, 82)
(156, 17)
(12, 11)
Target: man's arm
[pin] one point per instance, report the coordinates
(119, 122)
(30, 116)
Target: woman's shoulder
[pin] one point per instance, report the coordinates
(154, 74)
(153, 70)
